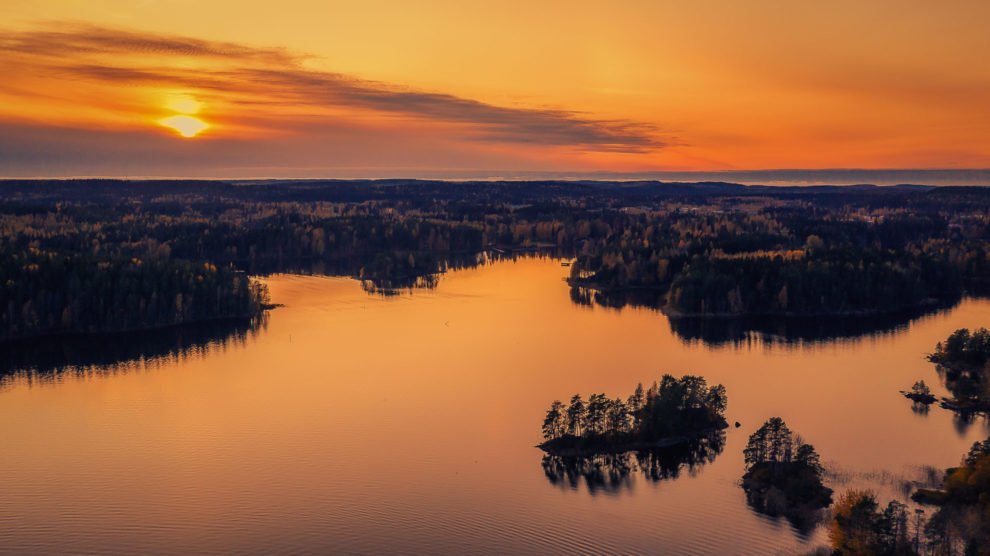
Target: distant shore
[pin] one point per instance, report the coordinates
(672, 312)
(109, 334)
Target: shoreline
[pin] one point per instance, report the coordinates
(595, 446)
(108, 334)
(667, 310)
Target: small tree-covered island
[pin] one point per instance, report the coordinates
(670, 412)
(783, 474)
(963, 362)
(920, 393)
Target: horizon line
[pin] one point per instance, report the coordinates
(769, 177)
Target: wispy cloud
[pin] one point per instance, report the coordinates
(61, 39)
(281, 79)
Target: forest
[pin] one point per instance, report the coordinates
(961, 361)
(959, 525)
(784, 475)
(671, 411)
(95, 256)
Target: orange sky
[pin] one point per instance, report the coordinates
(323, 88)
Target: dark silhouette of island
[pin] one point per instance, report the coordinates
(784, 475)
(920, 393)
(672, 411)
(962, 363)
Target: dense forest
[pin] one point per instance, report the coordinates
(83, 256)
(787, 262)
(962, 363)
(960, 525)
(673, 410)
(784, 475)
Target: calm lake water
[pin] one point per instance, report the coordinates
(367, 424)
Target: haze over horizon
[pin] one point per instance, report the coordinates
(451, 90)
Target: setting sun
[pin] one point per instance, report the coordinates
(186, 126)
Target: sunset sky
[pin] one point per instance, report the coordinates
(373, 88)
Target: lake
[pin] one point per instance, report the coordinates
(360, 423)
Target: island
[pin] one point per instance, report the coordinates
(962, 362)
(920, 393)
(959, 525)
(671, 412)
(784, 475)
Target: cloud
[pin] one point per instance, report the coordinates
(276, 78)
(61, 39)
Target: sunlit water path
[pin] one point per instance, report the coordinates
(359, 423)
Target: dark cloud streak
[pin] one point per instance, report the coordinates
(275, 76)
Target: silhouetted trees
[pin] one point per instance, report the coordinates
(963, 349)
(784, 475)
(700, 249)
(612, 471)
(961, 525)
(963, 362)
(44, 293)
(859, 526)
(670, 408)
(920, 393)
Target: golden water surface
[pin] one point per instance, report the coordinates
(361, 423)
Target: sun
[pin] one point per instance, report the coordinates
(186, 126)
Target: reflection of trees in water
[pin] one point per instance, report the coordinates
(390, 287)
(613, 472)
(963, 421)
(970, 389)
(774, 504)
(795, 330)
(51, 358)
(774, 330)
(388, 279)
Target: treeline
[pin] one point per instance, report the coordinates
(963, 349)
(671, 409)
(836, 283)
(960, 525)
(788, 262)
(43, 293)
(784, 475)
(705, 248)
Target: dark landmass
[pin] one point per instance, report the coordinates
(960, 524)
(672, 412)
(784, 476)
(926, 399)
(963, 363)
(95, 256)
(920, 393)
(46, 359)
(618, 443)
